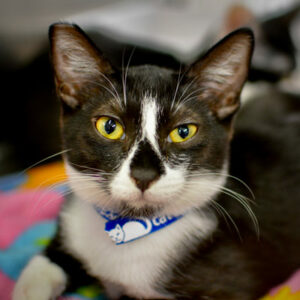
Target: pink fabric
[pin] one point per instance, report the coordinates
(35, 206)
(293, 282)
(6, 287)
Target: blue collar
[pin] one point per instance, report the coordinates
(123, 230)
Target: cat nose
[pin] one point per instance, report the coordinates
(144, 177)
(146, 167)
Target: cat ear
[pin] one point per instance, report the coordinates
(221, 73)
(76, 61)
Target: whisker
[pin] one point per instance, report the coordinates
(243, 201)
(116, 96)
(101, 190)
(113, 87)
(177, 86)
(43, 160)
(240, 198)
(186, 88)
(124, 77)
(225, 215)
(192, 95)
(53, 187)
(229, 176)
(101, 172)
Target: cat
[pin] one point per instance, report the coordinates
(117, 234)
(148, 142)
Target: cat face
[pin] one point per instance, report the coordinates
(147, 140)
(117, 234)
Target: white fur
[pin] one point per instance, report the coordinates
(87, 187)
(172, 191)
(150, 111)
(179, 194)
(135, 266)
(40, 280)
(122, 186)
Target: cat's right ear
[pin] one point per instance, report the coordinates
(76, 61)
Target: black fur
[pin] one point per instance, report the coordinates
(146, 166)
(265, 153)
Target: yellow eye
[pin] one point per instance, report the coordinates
(110, 128)
(183, 133)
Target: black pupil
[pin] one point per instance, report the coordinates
(110, 126)
(183, 131)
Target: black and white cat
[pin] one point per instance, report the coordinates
(149, 148)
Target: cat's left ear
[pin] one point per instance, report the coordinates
(76, 61)
(221, 73)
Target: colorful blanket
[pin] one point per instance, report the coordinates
(29, 205)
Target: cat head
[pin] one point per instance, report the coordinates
(117, 234)
(147, 140)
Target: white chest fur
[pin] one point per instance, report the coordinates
(135, 266)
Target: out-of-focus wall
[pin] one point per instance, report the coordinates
(177, 26)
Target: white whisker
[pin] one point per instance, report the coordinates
(113, 87)
(177, 87)
(99, 171)
(43, 160)
(114, 93)
(225, 215)
(234, 195)
(124, 76)
(226, 175)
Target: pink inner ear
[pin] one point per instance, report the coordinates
(221, 73)
(76, 62)
(74, 56)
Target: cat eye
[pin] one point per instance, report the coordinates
(110, 128)
(183, 133)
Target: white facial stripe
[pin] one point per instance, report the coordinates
(150, 112)
(122, 187)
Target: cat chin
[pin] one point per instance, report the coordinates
(145, 211)
(148, 210)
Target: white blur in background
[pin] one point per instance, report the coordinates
(174, 26)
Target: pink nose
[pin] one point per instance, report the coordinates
(144, 177)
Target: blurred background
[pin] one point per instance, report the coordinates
(165, 32)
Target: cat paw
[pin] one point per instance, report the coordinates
(40, 280)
